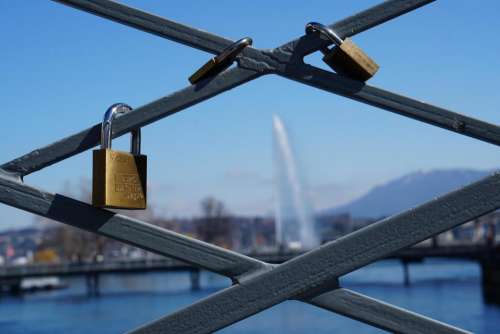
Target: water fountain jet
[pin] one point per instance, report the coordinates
(293, 216)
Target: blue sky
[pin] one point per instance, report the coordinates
(62, 68)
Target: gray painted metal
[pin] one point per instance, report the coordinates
(164, 242)
(316, 271)
(152, 24)
(312, 277)
(380, 314)
(132, 231)
(139, 117)
(284, 60)
(395, 103)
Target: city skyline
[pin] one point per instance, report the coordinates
(62, 81)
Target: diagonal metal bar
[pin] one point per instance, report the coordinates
(132, 231)
(166, 106)
(379, 314)
(392, 102)
(318, 269)
(77, 143)
(212, 43)
(43, 157)
(375, 16)
(295, 50)
(347, 27)
(321, 274)
(151, 23)
(233, 265)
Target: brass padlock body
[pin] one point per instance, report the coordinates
(210, 68)
(349, 60)
(119, 180)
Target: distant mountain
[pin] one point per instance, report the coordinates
(407, 192)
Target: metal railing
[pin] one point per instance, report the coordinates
(311, 277)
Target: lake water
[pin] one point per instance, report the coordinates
(449, 291)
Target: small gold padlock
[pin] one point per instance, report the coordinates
(346, 58)
(118, 178)
(220, 62)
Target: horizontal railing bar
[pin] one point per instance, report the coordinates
(139, 117)
(392, 102)
(155, 239)
(318, 269)
(151, 23)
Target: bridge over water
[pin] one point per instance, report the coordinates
(486, 256)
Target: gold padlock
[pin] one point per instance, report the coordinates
(118, 178)
(346, 58)
(220, 62)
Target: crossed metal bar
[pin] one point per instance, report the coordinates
(312, 277)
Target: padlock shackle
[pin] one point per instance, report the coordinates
(107, 125)
(233, 50)
(135, 142)
(325, 30)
